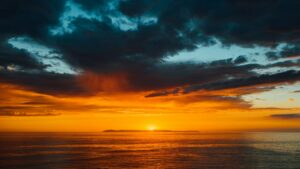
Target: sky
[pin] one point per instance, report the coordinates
(91, 65)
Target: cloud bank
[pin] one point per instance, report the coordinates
(121, 45)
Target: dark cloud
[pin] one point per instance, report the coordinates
(290, 52)
(284, 77)
(25, 18)
(272, 55)
(175, 75)
(27, 114)
(92, 4)
(163, 93)
(161, 76)
(31, 17)
(247, 81)
(286, 52)
(135, 8)
(49, 83)
(286, 116)
(11, 56)
(235, 101)
(222, 63)
(240, 59)
(101, 46)
(241, 22)
(25, 110)
(224, 102)
(285, 64)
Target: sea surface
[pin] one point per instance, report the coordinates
(262, 150)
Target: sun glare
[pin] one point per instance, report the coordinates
(151, 127)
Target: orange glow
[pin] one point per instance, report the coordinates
(151, 127)
(31, 111)
(103, 82)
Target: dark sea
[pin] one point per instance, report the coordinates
(155, 150)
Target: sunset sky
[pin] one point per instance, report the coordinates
(91, 65)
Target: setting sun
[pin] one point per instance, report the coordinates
(151, 128)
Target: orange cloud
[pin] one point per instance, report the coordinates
(22, 110)
(114, 82)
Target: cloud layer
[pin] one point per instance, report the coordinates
(286, 116)
(120, 45)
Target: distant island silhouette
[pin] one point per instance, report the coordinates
(110, 130)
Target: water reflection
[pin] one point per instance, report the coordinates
(150, 150)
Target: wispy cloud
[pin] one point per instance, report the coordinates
(286, 116)
(28, 114)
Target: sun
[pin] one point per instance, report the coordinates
(151, 127)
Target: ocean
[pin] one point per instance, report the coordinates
(150, 150)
